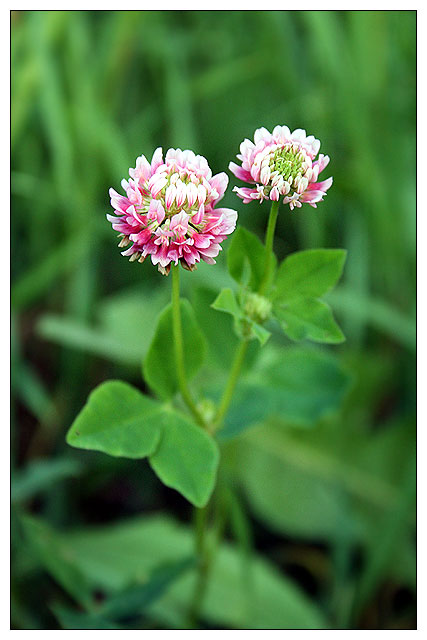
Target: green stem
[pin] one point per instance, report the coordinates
(269, 237)
(179, 348)
(238, 361)
(206, 548)
(243, 346)
(200, 520)
(202, 551)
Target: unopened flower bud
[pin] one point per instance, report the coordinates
(257, 308)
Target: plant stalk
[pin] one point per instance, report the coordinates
(227, 396)
(206, 549)
(179, 348)
(202, 550)
(269, 238)
(243, 346)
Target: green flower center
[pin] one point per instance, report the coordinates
(287, 162)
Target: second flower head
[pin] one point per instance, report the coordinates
(281, 165)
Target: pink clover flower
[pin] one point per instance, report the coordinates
(281, 165)
(169, 211)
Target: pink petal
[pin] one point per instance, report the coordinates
(274, 194)
(156, 211)
(181, 193)
(321, 186)
(262, 134)
(321, 162)
(170, 196)
(312, 196)
(157, 185)
(198, 217)
(220, 183)
(240, 173)
(179, 220)
(191, 194)
(156, 160)
(201, 194)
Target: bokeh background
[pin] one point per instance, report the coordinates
(328, 512)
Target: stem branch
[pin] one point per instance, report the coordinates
(231, 383)
(243, 346)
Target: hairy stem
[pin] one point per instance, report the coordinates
(179, 348)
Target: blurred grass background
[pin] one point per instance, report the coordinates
(93, 90)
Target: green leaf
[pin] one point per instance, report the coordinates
(244, 326)
(220, 352)
(74, 334)
(121, 421)
(137, 598)
(290, 499)
(46, 546)
(309, 319)
(159, 367)
(130, 317)
(186, 458)
(260, 333)
(123, 332)
(309, 384)
(376, 312)
(70, 619)
(312, 483)
(246, 258)
(308, 274)
(39, 475)
(118, 420)
(130, 602)
(41, 277)
(386, 544)
(226, 301)
(302, 386)
(129, 552)
(32, 391)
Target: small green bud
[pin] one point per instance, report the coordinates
(257, 308)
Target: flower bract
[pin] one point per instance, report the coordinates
(169, 211)
(281, 165)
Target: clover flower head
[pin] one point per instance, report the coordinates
(169, 211)
(281, 164)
